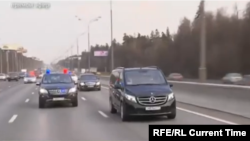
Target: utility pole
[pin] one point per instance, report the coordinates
(89, 54)
(1, 60)
(111, 30)
(203, 69)
(77, 50)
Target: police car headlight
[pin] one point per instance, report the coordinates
(171, 96)
(98, 83)
(73, 90)
(43, 91)
(130, 98)
(82, 84)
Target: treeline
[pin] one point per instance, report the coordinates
(227, 41)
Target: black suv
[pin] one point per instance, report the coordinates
(57, 87)
(141, 92)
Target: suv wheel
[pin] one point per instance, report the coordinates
(75, 102)
(123, 114)
(41, 103)
(111, 106)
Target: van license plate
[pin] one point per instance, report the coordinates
(58, 99)
(153, 108)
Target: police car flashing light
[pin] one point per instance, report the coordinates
(47, 71)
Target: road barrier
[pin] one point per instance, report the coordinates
(227, 98)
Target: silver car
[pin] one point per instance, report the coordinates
(3, 76)
(232, 78)
(29, 79)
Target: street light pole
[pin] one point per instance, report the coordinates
(89, 49)
(202, 69)
(111, 30)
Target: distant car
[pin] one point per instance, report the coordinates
(29, 79)
(175, 76)
(245, 81)
(74, 77)
(40, 75)
(3, 77)
(22, 75)
(232, 78)
(13, 76)
(89, 81)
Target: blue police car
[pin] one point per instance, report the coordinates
(57, 87)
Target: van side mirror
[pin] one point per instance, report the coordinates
(38, 83)
(171, 85)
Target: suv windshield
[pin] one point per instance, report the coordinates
(144, 77)
(88, 77)
(57, 78)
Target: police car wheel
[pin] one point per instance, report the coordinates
(112, 109)
(41, 104)
(75, 103)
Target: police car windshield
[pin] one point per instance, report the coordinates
(88, 77)
(56, 78)
(144, 77)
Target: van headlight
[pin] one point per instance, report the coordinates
(130, 98)
(73, 90)
(98, 83)
(170, 96)
(43, 91)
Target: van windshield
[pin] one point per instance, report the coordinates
(144, 77)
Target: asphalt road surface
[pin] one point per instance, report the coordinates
(21, 119)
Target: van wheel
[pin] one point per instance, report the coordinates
(123, 113)
(172, 115)
(112, 109)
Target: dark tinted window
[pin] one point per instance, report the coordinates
(114, 76)
(56, 78)
(140, 77)
(88, 77)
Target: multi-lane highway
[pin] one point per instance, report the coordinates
(21, 119)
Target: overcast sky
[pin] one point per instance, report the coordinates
(48, 33)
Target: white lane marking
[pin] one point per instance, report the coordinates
(9, 86)
(103, 114)
(27, 100)
(32, 93)
(83, 98)
(105, 87)
(207, 116)
(200, 114)
(13, 118)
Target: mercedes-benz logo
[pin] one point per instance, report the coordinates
(152, 93)
(152, 99)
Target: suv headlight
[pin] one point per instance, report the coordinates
(73, 90)
(43, 91)
(98, 83)
(130, 98)
(82, 84)
(171, 96)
